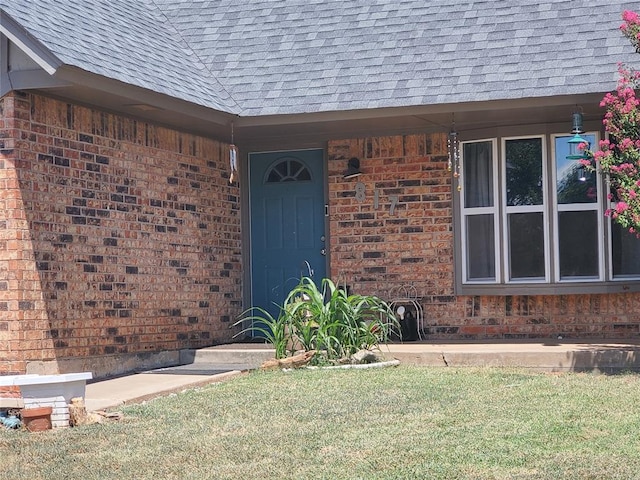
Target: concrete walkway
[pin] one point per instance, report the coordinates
(139, 387)
(220, 363)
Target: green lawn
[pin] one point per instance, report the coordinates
(404, 422)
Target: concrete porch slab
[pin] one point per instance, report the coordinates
(604, 356)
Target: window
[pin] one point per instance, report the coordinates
(529, 216)
(524, 207)
(579, 221)
(288, 170)
(625, 253)
(480, 211)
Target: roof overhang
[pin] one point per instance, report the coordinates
(89, 89)
(315, 128)
(47, 75)
(25, 64)
(469, 118)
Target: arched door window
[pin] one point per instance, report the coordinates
(288, 170)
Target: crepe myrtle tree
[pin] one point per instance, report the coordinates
(618, 156)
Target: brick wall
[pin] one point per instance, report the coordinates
(375, 252)
(118, 237)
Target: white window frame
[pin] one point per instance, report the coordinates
(578, 207)
(552, 283)
(494, 210)
(542, 208)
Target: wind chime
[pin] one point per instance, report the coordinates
(453, 147)
(233, 159)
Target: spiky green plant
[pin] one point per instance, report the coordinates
(325, 319)
(273, 329)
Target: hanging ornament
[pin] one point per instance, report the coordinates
(233, 158)
(233, 162)
(453, 146)
(450, 161)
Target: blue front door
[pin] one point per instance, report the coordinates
(287, 223)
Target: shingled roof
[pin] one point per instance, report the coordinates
(129, 41)
(273, 57)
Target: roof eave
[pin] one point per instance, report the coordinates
(417, 110)
(28, 44)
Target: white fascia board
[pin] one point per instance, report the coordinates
(28, 44)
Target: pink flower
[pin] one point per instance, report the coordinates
(621, 207)
(626, 143)
(630, 16)
(608, 98)
(600, 156)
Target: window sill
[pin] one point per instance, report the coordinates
(564, 288)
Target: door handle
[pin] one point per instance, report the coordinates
(323, 252)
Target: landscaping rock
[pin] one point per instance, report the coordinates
(367, 356)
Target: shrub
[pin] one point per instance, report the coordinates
(618, 156)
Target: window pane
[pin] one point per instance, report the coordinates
(481, 259)
(625, 252)
(578, 233)
(524, 171)
(526, 245)
(478, 174)
(574, 183)
(288, 171)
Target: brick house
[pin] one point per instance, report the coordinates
(123, 240)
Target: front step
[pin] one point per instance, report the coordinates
(239, 356)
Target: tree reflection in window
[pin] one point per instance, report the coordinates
(574, 183)
(524, 171)
(288, 170)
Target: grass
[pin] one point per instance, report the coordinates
(400, 423)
